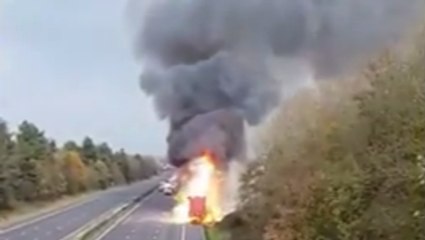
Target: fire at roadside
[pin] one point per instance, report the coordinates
(199, 192)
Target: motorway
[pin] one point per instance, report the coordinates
(61, 224)
(150, 220)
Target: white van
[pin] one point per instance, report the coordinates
(167, 187)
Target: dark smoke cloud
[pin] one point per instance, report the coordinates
(207, 63)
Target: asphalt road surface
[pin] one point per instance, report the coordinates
(150, 220)
(62, 224)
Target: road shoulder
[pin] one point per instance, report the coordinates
(32, 213)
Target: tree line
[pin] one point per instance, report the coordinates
(343, 161)
(34, 168)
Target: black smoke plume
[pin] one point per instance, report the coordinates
(208, 63)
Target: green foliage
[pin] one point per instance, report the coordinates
(124, 165)
(71, 146)
(103, 174)
(34, 168)
(88, 150)
(343, 162)
(75, 172)
(31, 143)
(212, 233)
(6, 145)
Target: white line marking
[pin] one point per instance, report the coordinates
(110, 228)
(183, 232)
(47, 215)
(124, 217)
(75, 233)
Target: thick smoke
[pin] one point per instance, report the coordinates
(207, 63)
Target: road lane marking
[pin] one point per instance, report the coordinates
(183, 233)
(110, 228)
(47, 215)
(88, 224)
(125, 216)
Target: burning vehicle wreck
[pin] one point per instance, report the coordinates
(196, 187)
(199, 191)
(201, 149)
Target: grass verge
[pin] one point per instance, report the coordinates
(215, 233)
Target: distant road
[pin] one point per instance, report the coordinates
(149, 221)
(62, 223)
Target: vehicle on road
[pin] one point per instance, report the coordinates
(197, 209)
(168, 188)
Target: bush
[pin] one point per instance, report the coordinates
(347, 162)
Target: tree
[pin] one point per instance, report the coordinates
(116, 174)
(6, 193)
(54, 175)
(34, 168)
(31, 148)
(149, 166)
(75, 172)
(88, 150)
(52, 146)
(122, 160)
(104, 152)
(104, 176)
(71, 146)
(346, 164)
(142, 167)
(31, 142)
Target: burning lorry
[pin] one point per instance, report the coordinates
(201, 148)
(197, 193)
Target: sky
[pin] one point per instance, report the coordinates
(68, 67)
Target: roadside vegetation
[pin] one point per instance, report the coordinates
(344, 160)
(34, 169)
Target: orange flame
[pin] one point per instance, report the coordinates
(203, 182)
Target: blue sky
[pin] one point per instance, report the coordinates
(68, 67)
